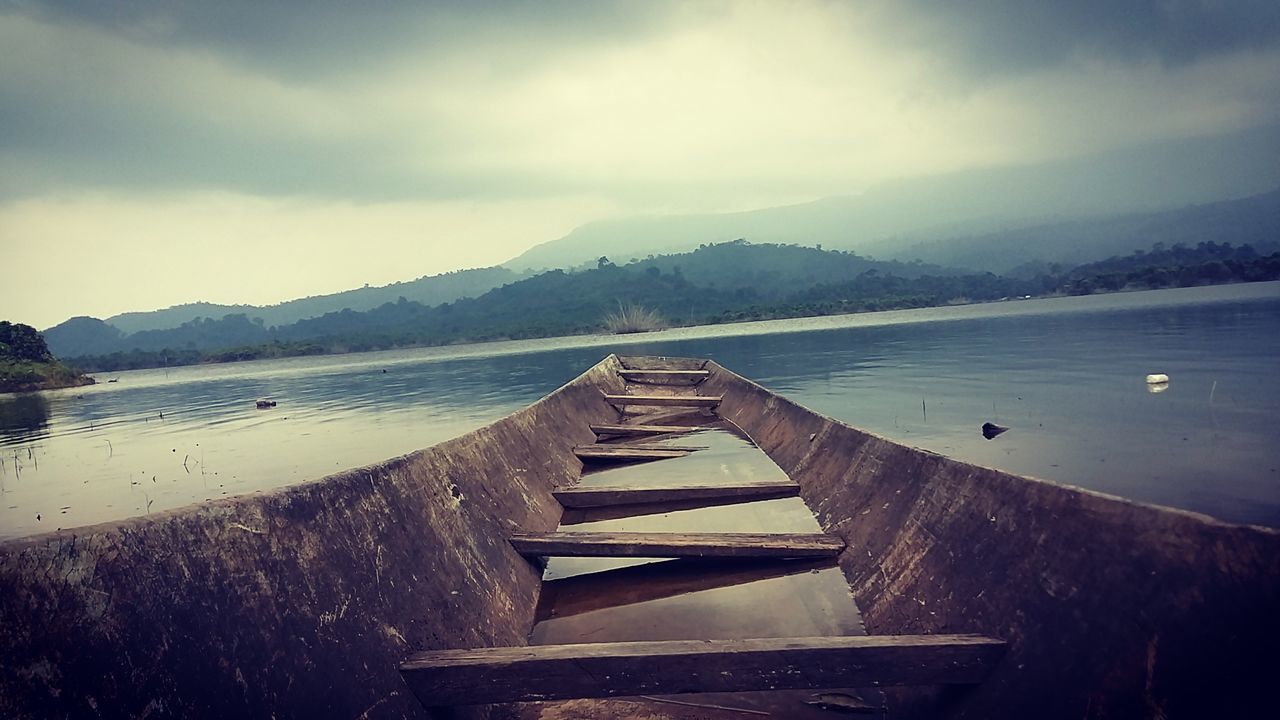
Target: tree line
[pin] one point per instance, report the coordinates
(726, 282)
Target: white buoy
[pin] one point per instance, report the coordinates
(1157, 378)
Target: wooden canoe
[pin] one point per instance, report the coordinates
(305, 601)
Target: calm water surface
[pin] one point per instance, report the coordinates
(626, 599)
(1065, 374)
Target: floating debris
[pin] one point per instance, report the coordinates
(1157, 378)
(990, 430)
(265, 403)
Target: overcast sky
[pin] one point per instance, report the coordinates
(168, 151)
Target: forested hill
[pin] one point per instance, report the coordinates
(428, 290)
(716, 283)
(27, 365)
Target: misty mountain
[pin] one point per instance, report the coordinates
(1249, 221)
(772, 270)
(82, 336)
(713, 278)
(716, 283)
(428, 290)
(1152, 178)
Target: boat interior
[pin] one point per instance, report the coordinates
(658, 538)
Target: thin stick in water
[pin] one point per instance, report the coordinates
(705, 706)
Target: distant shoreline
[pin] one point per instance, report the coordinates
(55, 376)
(241, 354)
(715, 284)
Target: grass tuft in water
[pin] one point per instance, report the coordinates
(631, 318)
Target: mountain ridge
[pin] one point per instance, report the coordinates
(1153, 178)
(1252, 220)
(428, 289)
(716, 283)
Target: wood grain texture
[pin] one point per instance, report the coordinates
(544, 672)
(706, 545)
(692, 374)
(643, 429)
(620, 452)
(604, 496)
(665, 400)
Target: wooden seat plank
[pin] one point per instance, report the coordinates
(593, 670)
(607, 496)
(677, 545)
(643, 429)
(704, 401)
(630, 452)
(665, 374)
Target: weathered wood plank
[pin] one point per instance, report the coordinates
(703, 545)
(641, 415)
(635, 445)
(643, 429)
(606, 496)
(665, 374)
(650, 362)
(666, 378)
(657, 580)
(554, 672)
(627, 453)
(704, 401)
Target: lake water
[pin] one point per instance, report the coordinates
(1065, 374)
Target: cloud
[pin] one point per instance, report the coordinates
(325, 38)
(159, 118)
(658, 106)
(993, 37)
(85, 108)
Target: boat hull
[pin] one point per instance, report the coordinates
(1111, 608)
(303, 602)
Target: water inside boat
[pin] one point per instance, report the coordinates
(606, 599)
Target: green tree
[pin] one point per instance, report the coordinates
(23, 343)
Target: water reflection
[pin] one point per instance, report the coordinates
(23, 415)
(625, 599)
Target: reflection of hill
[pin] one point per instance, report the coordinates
(22, 415)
